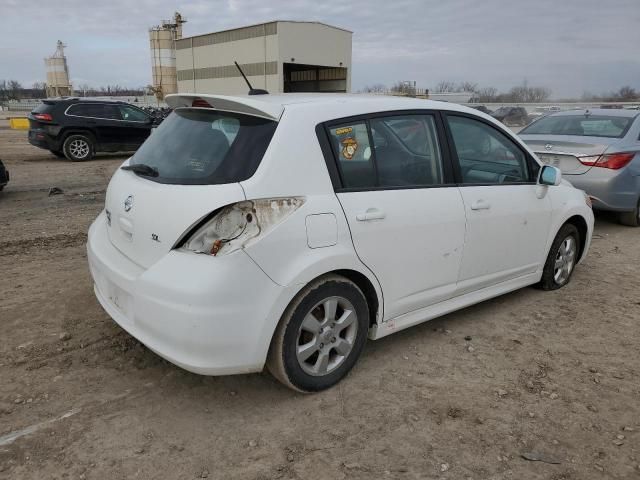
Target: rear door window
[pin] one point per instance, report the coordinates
(407, 151)
(202, 147)
(350, 142)
(95, 110)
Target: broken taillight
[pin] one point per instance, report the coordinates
(241, 223)
(613, 161)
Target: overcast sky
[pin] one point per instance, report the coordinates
(570, 46)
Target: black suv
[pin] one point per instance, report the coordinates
(4, 175)
(77, 128)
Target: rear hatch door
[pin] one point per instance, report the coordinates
(188, 168)
(147, 218)
(564, 151)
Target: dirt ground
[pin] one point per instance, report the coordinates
(555, 374)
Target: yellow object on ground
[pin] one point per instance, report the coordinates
(19, 123)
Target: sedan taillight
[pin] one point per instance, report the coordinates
(613, 161)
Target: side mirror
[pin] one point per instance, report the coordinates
(550, 176)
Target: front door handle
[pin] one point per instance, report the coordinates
(480, 205)
(370, 214)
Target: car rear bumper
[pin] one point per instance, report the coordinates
(41, 139)
(615, 190)
(209, 315)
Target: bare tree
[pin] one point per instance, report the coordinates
(39, 89)
(445, 86)
(627, 93)
(375, 88)
(487, 94)
(404, 88)
(14, 89)
(467, 87)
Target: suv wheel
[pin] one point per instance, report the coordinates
(562, 258)
(320, 336)
(78, 148)
(632, 218)
(57, 153)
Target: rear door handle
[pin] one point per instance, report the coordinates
(370, 214)
(480, 205)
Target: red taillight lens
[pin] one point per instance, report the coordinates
(613, 161)
(198, 102)
(43, 116)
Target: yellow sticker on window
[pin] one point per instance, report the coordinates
(349, 147)
(344, 130)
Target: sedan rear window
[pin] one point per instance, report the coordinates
(580, 125)
(202, 147)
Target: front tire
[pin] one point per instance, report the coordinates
(320, 336)
(562, 258)
(632, 218)
(78, 148)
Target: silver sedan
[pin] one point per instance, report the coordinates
(598, 151)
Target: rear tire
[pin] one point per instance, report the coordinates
(630, 219)
(320, 335)
(78, 148)
(58, 153)
(562, 258)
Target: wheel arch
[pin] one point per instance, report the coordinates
(580, 223)
(368, 290)
(67, 132)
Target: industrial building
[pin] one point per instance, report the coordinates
(279, 56)
(58, 83)
(162, 42)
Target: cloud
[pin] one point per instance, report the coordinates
(569, 46)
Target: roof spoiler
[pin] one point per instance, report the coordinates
(246, 106)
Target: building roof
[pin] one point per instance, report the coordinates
(266, 23)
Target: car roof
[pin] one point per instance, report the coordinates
(608, 112)
(82, 100)
(272, 106)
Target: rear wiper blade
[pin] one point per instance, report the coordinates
(142, 169)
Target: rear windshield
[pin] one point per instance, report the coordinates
(205, 147)
(43, 108)
(581, 125)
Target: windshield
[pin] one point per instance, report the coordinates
(580, 125)
(205, 147)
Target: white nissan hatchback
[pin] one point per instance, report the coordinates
(286, 229)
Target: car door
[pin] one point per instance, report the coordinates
(104, 120)
(508, 216)
(404, 211)
(135, 124)
(96, 118)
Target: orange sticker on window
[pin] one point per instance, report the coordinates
(344, 130)
(349, 147)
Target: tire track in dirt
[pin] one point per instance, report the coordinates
(24, 247)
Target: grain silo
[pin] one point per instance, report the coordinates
(58, 83)
(162, 40)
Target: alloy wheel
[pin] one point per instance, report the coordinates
(79, 148)
(565, 260)
(326, 336)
